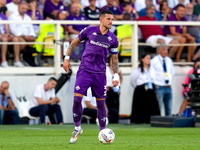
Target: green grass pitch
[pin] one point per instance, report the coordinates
(128, 137)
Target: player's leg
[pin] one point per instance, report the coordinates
(101, 113)
(83, 82)
(99, 91)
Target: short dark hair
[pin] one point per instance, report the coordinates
(127, 16)
(53, 79)
(103, 12)
(180, 5)
(29, 1)
(126, 3)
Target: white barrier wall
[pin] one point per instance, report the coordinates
(23, 86)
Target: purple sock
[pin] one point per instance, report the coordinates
(101, 114)
(77, 110)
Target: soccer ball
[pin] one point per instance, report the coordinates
(97, 121)
(106, 136)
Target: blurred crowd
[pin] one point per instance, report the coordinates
(139, 10)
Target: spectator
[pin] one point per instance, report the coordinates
(68, 7)
(34, 13)
(153, 34)
(174, 3)
(40, 6)
(180, 32)
(113, 93)
(187, 81)
(180, 2)
(90, 108)
(197, 8)
(162, 72)
(92, 12)
(44, 102)
(3, 8)
(127, 8)
(144, 13)
(141, 4)
(74, 30)
(22, 32)
(145, 103)
(5, 37)
(99, 3)
(52, 7)
(13, 7)
(125, 1)
(192, 30)
(114, 9)
(8, 112)
(164, 10)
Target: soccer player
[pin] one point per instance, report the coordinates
(99, 42)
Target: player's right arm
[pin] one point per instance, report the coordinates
(66, 64)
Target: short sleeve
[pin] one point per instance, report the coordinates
(114, 48)
(83, 34)
(37, 92)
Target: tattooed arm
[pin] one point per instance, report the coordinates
(115, 67)
(115, 63)
(66, 64)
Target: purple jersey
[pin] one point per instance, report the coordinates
(115, 10)
(2, 26)
(49, 7)
(178, 28)
(80, 17)
(38, 16)
(97, 48)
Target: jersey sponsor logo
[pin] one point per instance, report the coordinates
(78, 88)
(105, 45)
(114, 50)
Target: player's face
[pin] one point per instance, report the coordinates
(107, 21)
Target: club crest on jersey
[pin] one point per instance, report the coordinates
(78, 88)
(94, 33)
(109, 38)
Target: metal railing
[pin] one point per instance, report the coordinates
(57, 69)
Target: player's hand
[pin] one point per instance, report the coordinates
(115, 83)
(115, 80)
(66, 65)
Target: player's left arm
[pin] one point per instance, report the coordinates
(115, 67)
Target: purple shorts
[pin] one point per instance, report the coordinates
(97, 82)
